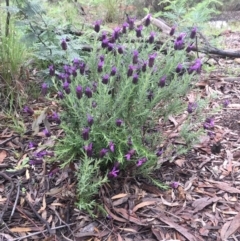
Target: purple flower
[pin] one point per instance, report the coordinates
(150, 95)
(40, 154)
(124, 27)
(119, 122)
(55, 118)
(46, 133)
(135, 78)
(82, 67)
(148, 20)
(103, 152)
(144, 66)
(76, 62)
(35, 161)
(90, 120)
(97, 26)
(104, 36)
(141, 161)
(151, 59)
(113, 173)
(111, 146)
(85, 133)
(94, 86)
(120, 49)
(79, 91)
(130, 22)
(135, 57)
(61, 76)
(159, 152)
(192, 106)
(162, 81)
(193, 32)
(51, 70)
(105, 43)
(74, 71)
(64, 44)
(174, 185)
(100, 66)
(113, 71)
(102, 58)
(179, 68)
(105, 79)
(179, 44)
(116, 32)
(181, 36)
(209, 123)
(226, 103)
(88, 92)
(60, 95)
(28, 110)
(67, 69)
(66, 87)
(211, 134)
(44, 89)
(32, 144)
(172, 31)
(189, 48)
(130, 70)
(129, 155)
(110, 47)
(67, 78)
(197, 66)
(139, 31)
(89, 149)
(151, 37)
(94, 104)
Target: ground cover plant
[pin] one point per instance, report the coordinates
(111, 101)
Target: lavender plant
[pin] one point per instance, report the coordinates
(112, 100)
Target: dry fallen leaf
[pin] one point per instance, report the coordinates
(201, 203)
(119, 196)
(165, 202)
(143, 204)
(3, 154)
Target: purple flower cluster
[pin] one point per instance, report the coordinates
(209, 123)
(196, 67)
(37, 158)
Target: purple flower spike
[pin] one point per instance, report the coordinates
(189, 48)
(191, 107)
(104, 35)
(64, 44)
(28, 110)
(141, 161)
(60, 95)
(226, 103)
(144, 66)
(162, 81)
(66, 87)
(90, 120)
(130, 22)
(51, 70)
(85, 133)
(116, 32)
(46, 133)
(102, 58)
(151, 60)
(135, 78)
(209, 123)
(105, 43)
(82, 67)
(55, 118)
(76, 62)
(94, 86)
(197, 67)
(159, 152)
(113, 173)
(193, 33)
(111, 146)
(89, 149)
(148, 20)
(100, 66)
(174, 185)
(179, 44)
(74, 71)
(97, 26)
(105, 79)
(103, 152)
(32, 145)
(179, 68)
(135, 57)
(120, 50)
(79, 91)
(124, 27)
(113, 71)
(88, 92)
(130, 70)
(44, 89)
(119, 122)
(110, 47)
(172, 31)
(129, 155)
(139, 31)
(151, 37)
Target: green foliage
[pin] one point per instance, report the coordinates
(89, 182)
